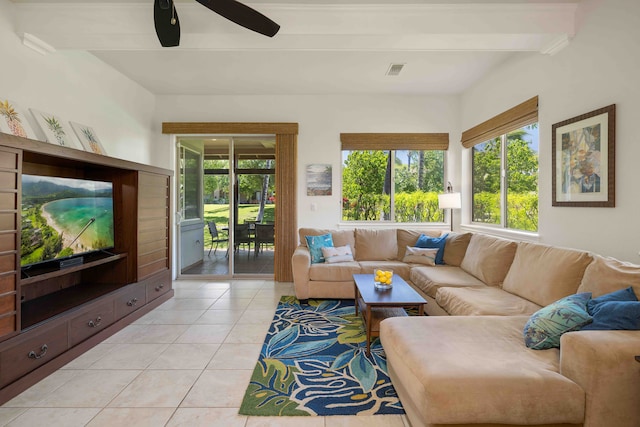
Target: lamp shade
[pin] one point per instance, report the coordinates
(449, 201)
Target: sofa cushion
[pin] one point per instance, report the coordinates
(429, 279)
(420, 256)
(455, 248)
(337, 254)
(339, 272)
(544, 274)
(605, 275)
(409, 238)
(545, 327)
(488, 258)
(374, 244)
(476, 370)
(486, 300)
(425, 241)
(339, 237)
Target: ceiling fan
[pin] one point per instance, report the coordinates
(168, 24)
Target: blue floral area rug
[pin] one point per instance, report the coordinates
(313, 362)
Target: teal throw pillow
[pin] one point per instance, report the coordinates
(545, 327)
(425, 241)
(619, 310)
(315, 244)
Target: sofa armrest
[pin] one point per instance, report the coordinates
(603, 364)
(301, 263)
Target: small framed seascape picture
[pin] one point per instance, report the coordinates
(88, 138)
(583, 155)
(55, 130)
(319, 180)
(14, 121)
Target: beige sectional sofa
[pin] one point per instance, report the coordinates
(472, 368)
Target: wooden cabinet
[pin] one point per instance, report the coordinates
(49, 314)
(32, 350)
(157, 285)
(129, 301)
(10, 164)
(90, 321)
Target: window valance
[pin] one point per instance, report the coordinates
(394, 141)
(521, 115)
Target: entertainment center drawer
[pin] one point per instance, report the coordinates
(90, 322)
(130, 300)
(32, 351)
(157, 285)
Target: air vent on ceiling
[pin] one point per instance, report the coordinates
(394, 69)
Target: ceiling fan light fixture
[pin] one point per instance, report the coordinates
(394, 69)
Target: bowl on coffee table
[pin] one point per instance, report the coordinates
(382, 279)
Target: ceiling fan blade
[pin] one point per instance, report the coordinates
(167, 23)
(242, 15)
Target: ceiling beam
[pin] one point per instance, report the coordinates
(428, 27)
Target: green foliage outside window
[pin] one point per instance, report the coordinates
(521, 182)
(417, 180)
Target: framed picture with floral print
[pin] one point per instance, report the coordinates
(583, 157)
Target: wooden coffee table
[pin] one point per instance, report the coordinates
(378, 305)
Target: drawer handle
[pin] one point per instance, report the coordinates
(96, 323)
(43, 350)
(132, 302)
(159, 288)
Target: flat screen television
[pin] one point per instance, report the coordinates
(64, 217)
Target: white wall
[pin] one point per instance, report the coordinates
(321, 119)
(78, 87)
(598, 68)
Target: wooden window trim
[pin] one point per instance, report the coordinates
(515, 118)
(394, 141)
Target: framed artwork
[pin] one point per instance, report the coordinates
(583, 157)
(14, 121)
(88, 138)
(55, 130)
(319, 180)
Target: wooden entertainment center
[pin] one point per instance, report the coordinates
(51, 315)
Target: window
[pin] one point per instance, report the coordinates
(384, 178)
(190, 197)
(505, 169)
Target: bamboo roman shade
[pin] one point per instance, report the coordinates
(521, 115)
(394, 141)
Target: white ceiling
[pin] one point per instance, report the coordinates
(323, 47)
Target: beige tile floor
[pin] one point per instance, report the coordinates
(186, 363)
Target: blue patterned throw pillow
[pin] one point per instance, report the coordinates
(315, 244)
(545, 327)
(425, 241)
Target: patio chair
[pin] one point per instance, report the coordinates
(242, 236)
(265, 235)
(216, 236)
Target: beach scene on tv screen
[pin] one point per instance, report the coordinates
(62, 217)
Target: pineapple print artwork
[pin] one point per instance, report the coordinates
(12, 117)
(92, 140)
(88, 138)
(56, 129)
